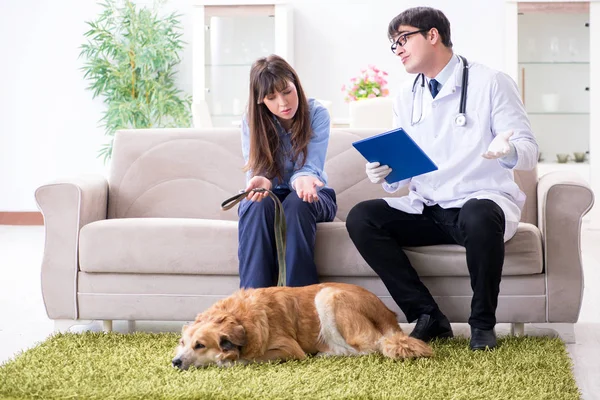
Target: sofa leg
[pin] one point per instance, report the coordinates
(130, 326)
(107, 325)
(63, 325)
(517, 329)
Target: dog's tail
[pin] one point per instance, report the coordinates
(398, 345)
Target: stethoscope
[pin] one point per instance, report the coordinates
(461, 117)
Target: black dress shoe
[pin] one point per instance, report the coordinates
(482, 339)
(428, 328)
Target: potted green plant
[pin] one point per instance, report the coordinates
(130, 59)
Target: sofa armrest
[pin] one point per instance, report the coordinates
(563, 199)
(67, 206)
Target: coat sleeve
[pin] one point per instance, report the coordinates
(508, 113)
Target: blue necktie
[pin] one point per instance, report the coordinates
(434, 87)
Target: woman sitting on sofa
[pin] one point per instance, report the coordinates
(284, 142)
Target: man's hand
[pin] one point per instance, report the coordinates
(306, 188)
(500, 146)
(377, 173)
(258, 182)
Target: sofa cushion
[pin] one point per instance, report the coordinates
(523, 254)
(160, 246)
(201, 246)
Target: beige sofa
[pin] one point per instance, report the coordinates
(151, 242)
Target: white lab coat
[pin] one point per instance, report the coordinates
(493, 105)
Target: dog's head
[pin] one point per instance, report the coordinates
(214, 338)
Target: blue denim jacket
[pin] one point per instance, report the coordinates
(317, 148)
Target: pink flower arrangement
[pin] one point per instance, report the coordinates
(369, 84)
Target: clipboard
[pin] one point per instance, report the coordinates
(399, 151)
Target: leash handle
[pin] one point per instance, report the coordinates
(279, 226)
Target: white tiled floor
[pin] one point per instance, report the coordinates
(23, 320)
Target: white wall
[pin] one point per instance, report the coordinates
(49, 123)
(344, 39)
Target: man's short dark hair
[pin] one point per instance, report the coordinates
(422, 18)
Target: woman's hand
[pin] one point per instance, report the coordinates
(306, 188)
(258, 182)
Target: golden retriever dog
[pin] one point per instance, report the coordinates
(287, 323)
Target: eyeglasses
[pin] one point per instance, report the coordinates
(401, 41)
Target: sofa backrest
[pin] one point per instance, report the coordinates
(188, 173)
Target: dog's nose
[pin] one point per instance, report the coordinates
(177, 362)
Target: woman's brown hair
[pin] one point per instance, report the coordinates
(268, 75)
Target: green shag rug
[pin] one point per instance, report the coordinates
(138, 366)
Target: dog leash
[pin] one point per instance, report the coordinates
(279, 225)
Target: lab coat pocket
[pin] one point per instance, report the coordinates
(467, 137)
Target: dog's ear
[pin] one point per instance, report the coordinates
(226, 345)
(234, 339)
(184, 328)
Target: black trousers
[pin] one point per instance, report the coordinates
(379, 232)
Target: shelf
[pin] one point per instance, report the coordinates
(557, 164)
(583, 169)
(556, 113)
(226, 115)
(554, 63)
(340, 121)
(227, 65)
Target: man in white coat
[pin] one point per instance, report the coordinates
(471, 200)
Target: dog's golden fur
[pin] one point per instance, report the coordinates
(283, 323)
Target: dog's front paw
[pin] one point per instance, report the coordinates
(225, 363)
(230, 363)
